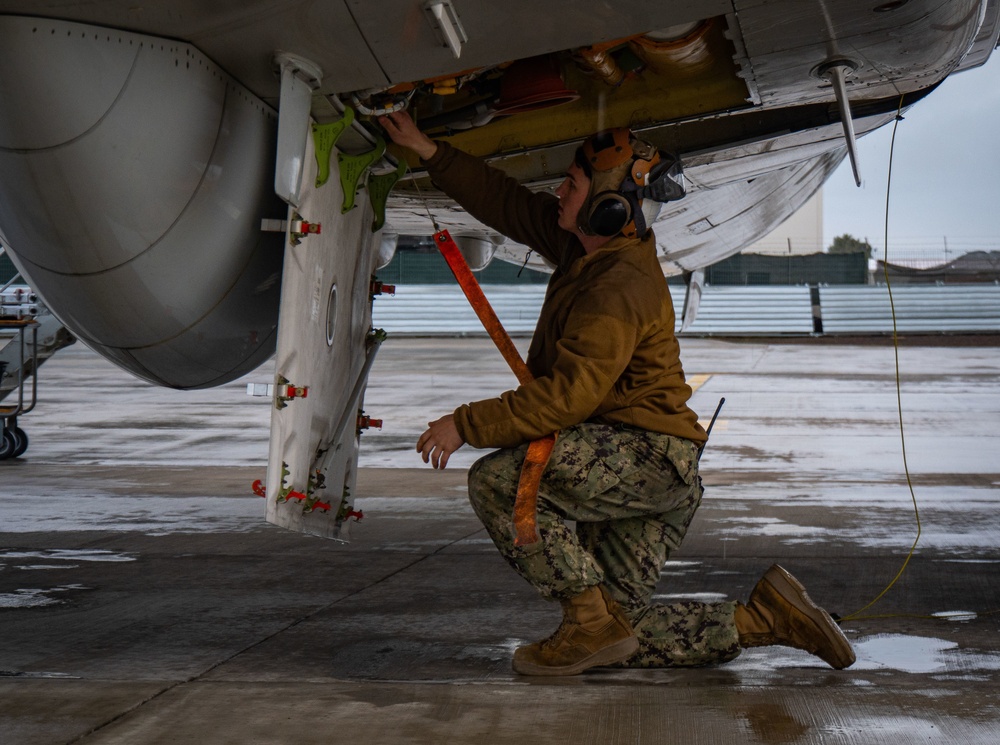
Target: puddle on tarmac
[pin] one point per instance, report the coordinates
(957, 537)
(151, 515)
(35, 598)
(917, 655)
(701, 597)
(769, 526)
(898, 728)
(54, 558)
(956, 615)
(920, 654)
(65, 554)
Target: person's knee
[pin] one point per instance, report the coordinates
(481, 480)
(489, 478)
(475, 482)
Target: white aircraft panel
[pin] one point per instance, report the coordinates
(323, 324)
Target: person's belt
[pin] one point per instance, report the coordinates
(526, 503)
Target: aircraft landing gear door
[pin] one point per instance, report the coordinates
(324, 341)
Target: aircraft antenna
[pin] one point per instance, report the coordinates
(836, 72)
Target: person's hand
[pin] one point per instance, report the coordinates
(439, 441)
(402, 130)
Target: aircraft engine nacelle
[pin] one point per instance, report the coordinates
(477, 250)
(134, 174)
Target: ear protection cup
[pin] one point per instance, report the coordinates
(624, 171)
(618, 165)
(609, 213)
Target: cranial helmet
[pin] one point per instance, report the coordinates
(624, 171)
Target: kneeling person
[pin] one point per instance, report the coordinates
(608, 377)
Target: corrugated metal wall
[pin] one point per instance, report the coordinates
(753, 310)
(926, 308)
(442, 310)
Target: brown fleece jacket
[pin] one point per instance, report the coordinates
(604, 348)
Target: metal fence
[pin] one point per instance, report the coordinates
(442, 310)
(760, 269)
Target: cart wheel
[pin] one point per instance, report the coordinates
(7, 444)
(20, 442)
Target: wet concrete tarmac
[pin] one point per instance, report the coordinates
(144, 600)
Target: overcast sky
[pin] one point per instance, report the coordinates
(945, 174)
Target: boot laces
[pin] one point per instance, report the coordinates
(557, 636)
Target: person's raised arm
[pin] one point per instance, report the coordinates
(489, 195)
(403, 131)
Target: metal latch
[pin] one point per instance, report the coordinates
(444, 19)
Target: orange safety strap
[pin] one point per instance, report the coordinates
(526, 503)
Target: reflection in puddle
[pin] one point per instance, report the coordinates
(919, 654)
(67, 554)
(54, 558)
(771, 722)
(881, 652)
(35, 598)
(703, 597)
(956, 615)
(769, 526)
(75, 511)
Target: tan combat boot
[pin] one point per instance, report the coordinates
(594, 631)
(780, 612)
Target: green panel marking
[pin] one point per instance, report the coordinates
(352, 168)
(325, 137)
(379, 187)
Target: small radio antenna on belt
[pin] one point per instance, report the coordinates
(708, 432)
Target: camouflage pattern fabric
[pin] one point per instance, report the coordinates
(632, 494)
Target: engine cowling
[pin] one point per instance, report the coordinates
(134, 174)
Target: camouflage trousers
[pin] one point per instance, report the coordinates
(632, 494)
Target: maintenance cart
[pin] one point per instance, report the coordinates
(29, 335)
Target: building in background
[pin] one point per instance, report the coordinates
(970, 268)
(802, 233)
(792, 254)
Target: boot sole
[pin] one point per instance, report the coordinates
(792, 590)
(617, 652)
